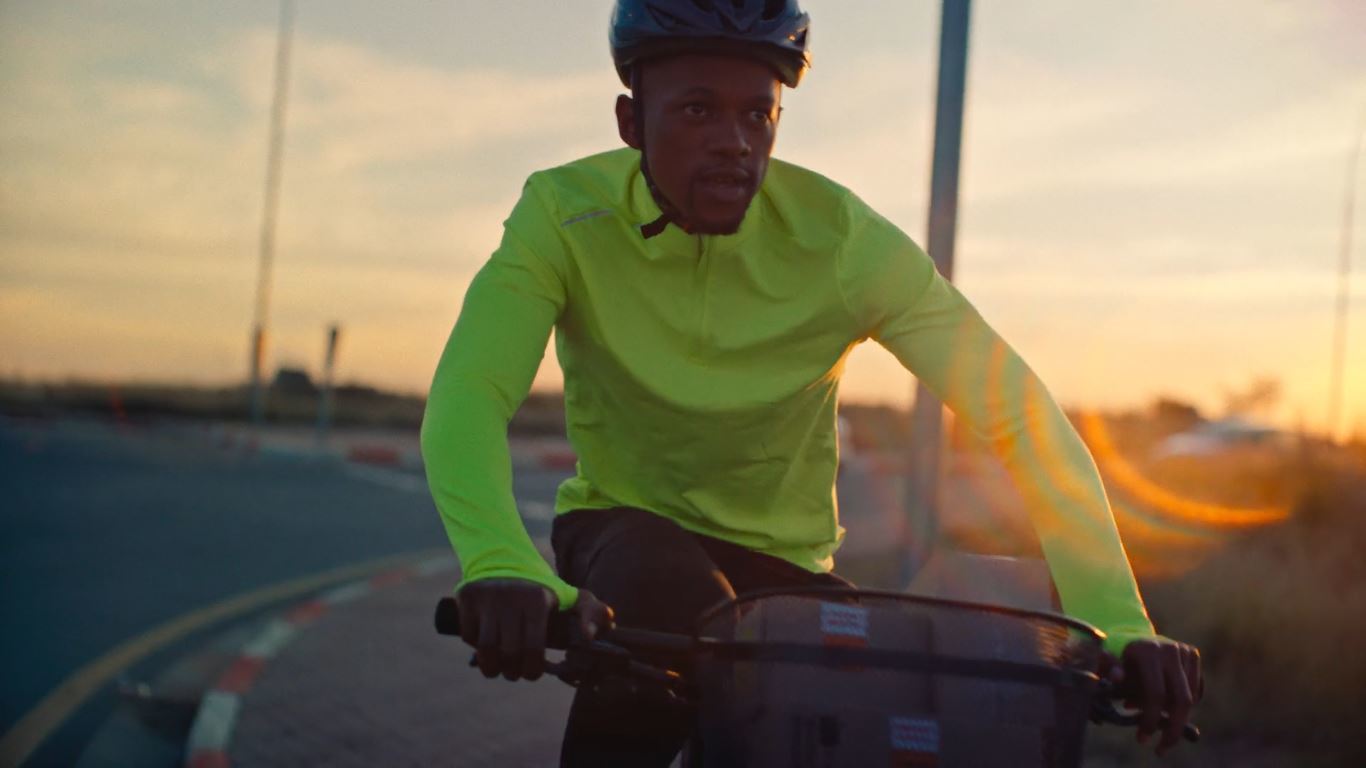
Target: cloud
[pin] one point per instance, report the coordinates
(1035, 129)
(130, 198)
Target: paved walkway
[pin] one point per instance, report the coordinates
(360, 678)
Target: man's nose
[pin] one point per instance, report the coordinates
(728, 138)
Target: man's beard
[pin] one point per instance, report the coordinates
(728, 227)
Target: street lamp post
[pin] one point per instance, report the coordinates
(261, 319)
(927, 415)
(1335, 381)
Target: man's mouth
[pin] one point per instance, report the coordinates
(728, 185)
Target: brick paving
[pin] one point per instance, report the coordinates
(370, 683)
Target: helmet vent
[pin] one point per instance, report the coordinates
(667, 20)
(773, 9)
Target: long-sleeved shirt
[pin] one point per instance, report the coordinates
(701, 374)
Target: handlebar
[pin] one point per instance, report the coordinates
(612, 654)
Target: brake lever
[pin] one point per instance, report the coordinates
(598, 662)
(1104, 712)
(569, 673)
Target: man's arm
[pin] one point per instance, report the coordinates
(899, 299)
(485, 373)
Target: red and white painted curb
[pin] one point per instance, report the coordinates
(526, 453)
(211, 733)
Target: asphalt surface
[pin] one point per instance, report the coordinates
(111, 530)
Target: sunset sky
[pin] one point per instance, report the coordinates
(1152, 192)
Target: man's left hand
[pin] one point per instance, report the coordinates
(1159, 675)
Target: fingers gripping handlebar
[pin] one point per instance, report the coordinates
(591, 660)
(560, 630)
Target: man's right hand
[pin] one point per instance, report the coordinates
(505, 621)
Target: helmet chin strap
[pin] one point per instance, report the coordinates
(668, 211)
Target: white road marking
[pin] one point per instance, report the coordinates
(274, 637)
(389, 478)
(537, 510)
(434, 565)
(347, 593)
(213, 726)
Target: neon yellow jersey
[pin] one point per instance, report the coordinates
(701, 373)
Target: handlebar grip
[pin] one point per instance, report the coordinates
(448, 616)
(1104, 710)
(560, 631)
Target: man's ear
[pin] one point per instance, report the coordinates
(626, 121)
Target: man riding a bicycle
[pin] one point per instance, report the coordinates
(704, 298)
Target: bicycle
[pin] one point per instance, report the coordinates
(837, 677)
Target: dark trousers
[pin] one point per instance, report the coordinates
(654, 575)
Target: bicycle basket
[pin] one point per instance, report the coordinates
(823, 677)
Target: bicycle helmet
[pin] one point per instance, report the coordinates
(773, 31)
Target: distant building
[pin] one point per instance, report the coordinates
(293, 381)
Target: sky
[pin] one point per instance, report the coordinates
(1152, 193)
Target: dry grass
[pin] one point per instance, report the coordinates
(1278, 611)
(1279, 614)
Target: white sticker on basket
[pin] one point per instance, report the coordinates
(844, 620)
(914, 734)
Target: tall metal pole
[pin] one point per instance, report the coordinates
(1335, 381)
(275, 154)
(927, 415)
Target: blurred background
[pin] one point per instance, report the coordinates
(1157, 210)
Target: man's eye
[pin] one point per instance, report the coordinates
(760, 116)
(694, 110)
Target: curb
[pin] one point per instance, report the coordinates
(211, 733)
(525, 454)
(539, 455)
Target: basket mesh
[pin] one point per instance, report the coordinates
(768, 712)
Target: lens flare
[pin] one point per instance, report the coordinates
(1162, 502)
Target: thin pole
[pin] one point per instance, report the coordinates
(1335, 380)
(274, 158)
(927, 415)
(325, 398)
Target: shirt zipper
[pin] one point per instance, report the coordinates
(703, 272)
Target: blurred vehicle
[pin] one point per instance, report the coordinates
(1215, 437)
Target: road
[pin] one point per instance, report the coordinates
(111, 530)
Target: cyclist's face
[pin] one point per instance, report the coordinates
(710, 122)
